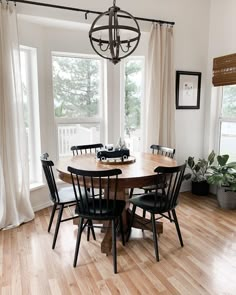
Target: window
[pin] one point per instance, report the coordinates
(78, 103)
(228, 122)
(132, 103)
(29, 77)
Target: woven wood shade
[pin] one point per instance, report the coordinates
(224, 70)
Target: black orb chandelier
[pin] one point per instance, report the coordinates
(114, 41)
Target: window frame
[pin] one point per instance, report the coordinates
(34, 135)
(98, 120)
(221, 118)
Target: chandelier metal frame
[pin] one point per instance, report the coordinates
(114, 45)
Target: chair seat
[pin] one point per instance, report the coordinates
(153, 187)
(102, 211)
(148, 203)
(66, 195)
(161, 184)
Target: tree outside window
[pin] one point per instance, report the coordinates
(76, 87)
(132, 102)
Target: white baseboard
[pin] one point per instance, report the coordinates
(42, 206)
(186, 186)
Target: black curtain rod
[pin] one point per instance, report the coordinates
(86, 11)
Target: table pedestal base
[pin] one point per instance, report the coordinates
(139, 222)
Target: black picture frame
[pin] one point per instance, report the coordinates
(188, 88)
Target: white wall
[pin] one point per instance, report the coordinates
(191, 49)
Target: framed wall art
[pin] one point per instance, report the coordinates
(188, 87)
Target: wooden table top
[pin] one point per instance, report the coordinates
(137, 174)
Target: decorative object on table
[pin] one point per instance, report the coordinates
(198, 175)
(105, 154)
(115, 40)
(188, 87)
(109, 146)
(121, 144)
(223, 175)
(118, 155)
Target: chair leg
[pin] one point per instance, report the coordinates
(177, 227)
(93, 232)
(122, 231)
(144, 213)
(169, 214)
(80, 229)
(131, 193)
(57, 226)
(114, 245)
(155, 236)
(90, 227)
(52, 216)
(88, 231)
(131, 223)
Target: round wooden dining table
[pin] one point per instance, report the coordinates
(136, 173)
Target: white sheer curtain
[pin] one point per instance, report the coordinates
(160, 95)
(15, 207)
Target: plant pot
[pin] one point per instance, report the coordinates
(226, 198)
(200, 188)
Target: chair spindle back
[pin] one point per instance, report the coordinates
(173, 177)
(89, 188)
(162, 150)
(86, 149)
(49, 175)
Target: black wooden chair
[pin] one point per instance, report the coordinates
(85, 149)
(60, 198)
(161, 150)
(161, 201)
(98, 207)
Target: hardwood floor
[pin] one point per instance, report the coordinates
(205, 265)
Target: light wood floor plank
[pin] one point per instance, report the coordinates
(206, 264)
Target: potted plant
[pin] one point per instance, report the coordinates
(198, 174)
(223, 175)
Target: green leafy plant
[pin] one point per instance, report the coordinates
(199, 169)
(223, 174)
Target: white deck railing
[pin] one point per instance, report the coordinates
(69, 135)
